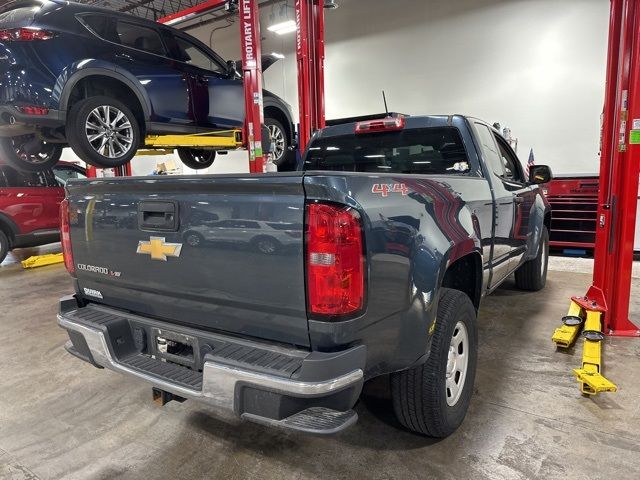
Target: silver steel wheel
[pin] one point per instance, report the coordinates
(109, 132)
(457, 363)
(278, 139)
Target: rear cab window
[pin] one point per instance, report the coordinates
(423, 151)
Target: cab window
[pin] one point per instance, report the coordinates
(15, 179)
(65, 172)
(193, 55)
(510, 162)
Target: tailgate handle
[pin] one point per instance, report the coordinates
(157, 215)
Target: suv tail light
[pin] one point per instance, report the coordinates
(24, 35)
(334, 260)
(65, 237)
(384, 125)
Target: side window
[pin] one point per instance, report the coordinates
(64, 173)
(139, 37)
(194, 55)
(14, 178)
(510, 162)
(102, 26)
(490, 150)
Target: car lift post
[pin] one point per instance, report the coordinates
(605, 307)
(310, 58)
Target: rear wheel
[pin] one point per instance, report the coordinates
(28, 153)
(102, 131)
(532, 275)
(433, 398)
(197, 159)
(4, 246)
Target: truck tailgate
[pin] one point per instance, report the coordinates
(218, 253)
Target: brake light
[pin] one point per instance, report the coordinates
(33, 110)
(24, 35)
(384, 125)
(335, 260)
(65, 236)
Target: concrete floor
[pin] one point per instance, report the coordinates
(63, 419)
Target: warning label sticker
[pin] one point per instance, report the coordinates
(634, 138)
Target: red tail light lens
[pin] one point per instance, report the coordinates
(34, 110)
(65, 236)
(335, 260)
(24, 35)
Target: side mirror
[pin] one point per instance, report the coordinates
(539, 174)
(232, 68)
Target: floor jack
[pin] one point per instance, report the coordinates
(585, 317)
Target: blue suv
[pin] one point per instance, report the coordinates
(100, 81)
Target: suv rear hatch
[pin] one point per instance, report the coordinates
(221, 253)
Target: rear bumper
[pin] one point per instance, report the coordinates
(289, 389)
(14, 123)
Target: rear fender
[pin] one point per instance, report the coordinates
(536, 223)
(69, 78)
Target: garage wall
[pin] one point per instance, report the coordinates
(536, 66)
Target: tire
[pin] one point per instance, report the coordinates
(29, 154)
(194, 239)
(422, 399)
(4, 246)
(280, 138)
(107, 149)
(197, 159)
(532, 275)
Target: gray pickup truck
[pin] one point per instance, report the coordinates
(277, 296)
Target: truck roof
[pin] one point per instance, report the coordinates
(420, 121)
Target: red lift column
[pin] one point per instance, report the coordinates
(619, 170)
(252, 77)
(310, 56)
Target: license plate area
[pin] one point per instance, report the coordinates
(175, 347)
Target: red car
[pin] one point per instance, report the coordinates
(29, 204)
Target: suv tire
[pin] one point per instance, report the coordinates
(13, 152)
(281, 155)
(197, 159)
(432, 398)
(4, 246)
(532, 275)
(102, 131)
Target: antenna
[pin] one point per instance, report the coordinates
(386, 109)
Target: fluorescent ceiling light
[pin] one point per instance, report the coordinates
(277, 55)
(283, 28)
(375, 156)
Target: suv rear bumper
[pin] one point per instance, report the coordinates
(305, 391)
(14, 123)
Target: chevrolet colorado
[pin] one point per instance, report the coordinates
(381, 247)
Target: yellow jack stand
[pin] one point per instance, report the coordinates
(42, 260)
(589, 376)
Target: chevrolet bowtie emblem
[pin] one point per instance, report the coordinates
(159, 249)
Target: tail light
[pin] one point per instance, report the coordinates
(384, 125)
(65, 236)
(334, 260)
(33, 110)
(24, 35)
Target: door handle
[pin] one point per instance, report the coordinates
(158, 215)
(200, 80)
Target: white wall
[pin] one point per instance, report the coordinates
(536, 66)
